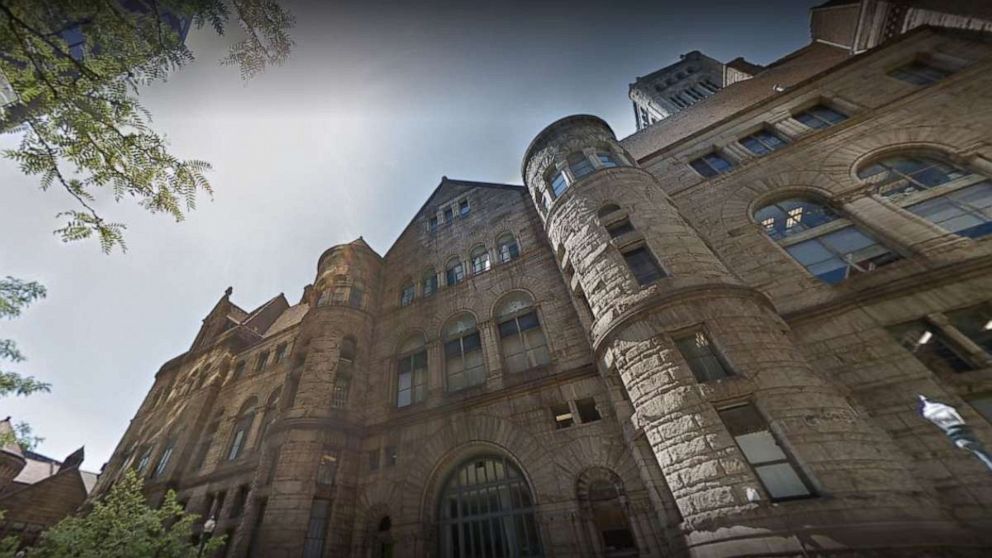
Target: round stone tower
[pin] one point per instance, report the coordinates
(762, 455)
(312, 460)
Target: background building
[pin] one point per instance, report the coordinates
(706, 338)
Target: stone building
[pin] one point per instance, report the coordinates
(706, 339)
(36, 491)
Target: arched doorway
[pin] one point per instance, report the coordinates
(486, 510)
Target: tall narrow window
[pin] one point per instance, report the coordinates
(558, 184)
(281, 352)
(606, 159)
(356, 296)
(327, 468)
(454, 272)
(703, 360)
(313, 544)
(407, 294)
(240, 499)
(486, 509)
(463, 353)
(931, 347)
(449, 214)
(521, 337)
(507, 246)
(762, 142)
(976, 324)
(604, 507)
(711, 165)
(263, 357)
(239, 371)
(146, 457)
(781, 479)
(642, 264)
(411, 377)
(429, 282)
(206, 440)
(919, 73)
(830, 248)
(480, 260)
(242, 427)
(463, 208)
(345, 370)
(432, 223)
(269, 414)
(820, 116)
(163, 460)
(580, 165)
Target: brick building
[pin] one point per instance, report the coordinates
(706, 338)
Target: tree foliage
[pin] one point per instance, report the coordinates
(15, 295)
(76, 68)
(122, 525)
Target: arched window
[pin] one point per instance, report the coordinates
(507, 247)
(206, 440)
(520, 335)
(383, 539)
(429, 282)
(605, 508)
(407, 293)
(242, 428)
(607, 209)
(411, 372)
(480, 260)
(454, 272)
(345, 369)
(270, 413)
(463, 364)
(356, 298)
(827, 245)
(948, 196)
(486, 509)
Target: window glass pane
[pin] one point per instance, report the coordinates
(781, 481)
(643, 265)
(967, 212)
(558, 184)
(508, 328)
(606, 159)
(787, 217)
(580, 165)
(703, 168)
(760, 447)
(588, 412)
(976, 324)
(930, 347)
(528, 321)
(699, 354)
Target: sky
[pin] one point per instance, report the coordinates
(377, 102)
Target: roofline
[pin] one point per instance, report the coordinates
(853, 59)
(552, 128)
(445, 179)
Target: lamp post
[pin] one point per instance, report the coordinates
(208, 530)
(950, 421)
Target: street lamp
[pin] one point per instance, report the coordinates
(950, 421)
(208, 530)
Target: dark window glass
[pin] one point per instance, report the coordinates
(430, 282)
(976, 324)
(455, 273)
(463, 208)
(373, 460)
(929, 345)
(919, 73)
(163, 460)
(433, 223)
(820, 117)
(897, 176)
(448, 214)
(407, 295)
(262, 358)
(508, 249)
(966, 212)
(339, 397)
(606, 160)
(239, 370)
(558, 183)
(711, 165)
(313, 544)
(643, 265)
(762, 450)
(703, 360)
(762, 142)
(588, 412)
(580, 165)
(281, 352)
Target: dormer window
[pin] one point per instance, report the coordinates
(463, 208)
(432, 223)
(449, 214)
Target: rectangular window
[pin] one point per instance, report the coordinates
(313, 544)
(373, 460)
(449, 214)
(463, 362)
(281, 352)
(327, 468)
(430, 284)
(606, 160)
(580, 165)
(563, 415)
(406, 297)
(919, 73)
(762, 142)
(356, 297)
(558, 184)
(819, 116)
(238, 506)
(163, 461)
(523, 343)
(432, 223)
(711, 165)
(588, 412)
(762, 450)
(339, 399)
(239, 369)
(463, 208)
(260, 363)
(702, 358)
(931, 347)
(967, 212)
(835, 256)
(411, 383)
(976, 324)
(643, 265)
(391, 456)
(455, 274)
(619, 228)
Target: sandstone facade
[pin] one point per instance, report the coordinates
(633, 354)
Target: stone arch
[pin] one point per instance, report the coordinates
(398, 341)
(503, 296)
(812, 193)
(452, 316)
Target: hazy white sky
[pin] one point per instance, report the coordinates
(378, 101)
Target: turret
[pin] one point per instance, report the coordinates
(736, 422)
